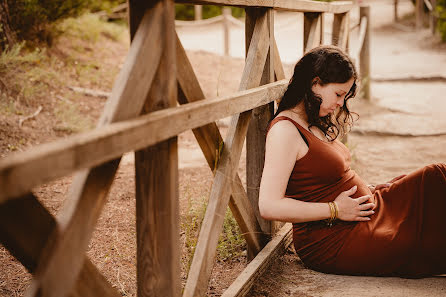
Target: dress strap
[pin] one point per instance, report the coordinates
(284, 118)
(306, 135)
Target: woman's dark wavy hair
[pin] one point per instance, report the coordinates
(331, 65)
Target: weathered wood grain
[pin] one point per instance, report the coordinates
(205, 250)
(289, 5)
(62, 258)
(156, 178)
(24, 224)
(210, 141)
(273, 250)
(364, 53)
(341, 30)
(256, 137)
(311, 33)
(49, 161)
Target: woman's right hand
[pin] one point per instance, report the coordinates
(353, 209)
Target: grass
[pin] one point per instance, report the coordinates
(71, 120)
(231, 243)
(90, 27)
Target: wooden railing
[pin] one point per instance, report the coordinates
(142, 115)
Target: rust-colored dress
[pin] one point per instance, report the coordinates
(406, 236)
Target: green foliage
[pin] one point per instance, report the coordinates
(230, 244)
(71, 119)
(186, 11)
(17, 55)
(441, 12)
(33, 19)
(89, 27)
(30, 18)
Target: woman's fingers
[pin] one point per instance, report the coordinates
(363, 199)
(366, 213)
(362, 219)
(366, 206)
(351, 191)
(382, 186)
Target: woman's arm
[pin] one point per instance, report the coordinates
(284, 145)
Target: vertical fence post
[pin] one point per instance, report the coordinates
(418, 14)
(433, 17)
(198, 12)
(312, 36)
(364, 55)
(156, 175)
(226, 24)
(256, 135)
(395, 10)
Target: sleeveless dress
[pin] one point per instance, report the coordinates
(405, 237)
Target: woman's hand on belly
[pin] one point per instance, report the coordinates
(353, 209)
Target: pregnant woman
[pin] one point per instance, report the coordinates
(341, 225)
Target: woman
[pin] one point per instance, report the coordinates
(340, 225)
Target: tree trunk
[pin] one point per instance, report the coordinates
(7, 35)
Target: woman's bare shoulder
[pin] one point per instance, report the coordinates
(284, 135)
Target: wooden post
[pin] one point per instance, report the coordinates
(256, 136)
(341, 30)
(312, 37)
(226, 24)
(156, 178)
(198, 9)
(418, 14)
(433, 17)
(395, 10)
(364, 55)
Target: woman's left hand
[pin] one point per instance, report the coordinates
(373, 188)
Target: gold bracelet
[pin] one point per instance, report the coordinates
(333, 213)
(336, 210)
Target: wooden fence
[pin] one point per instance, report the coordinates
(142, 115)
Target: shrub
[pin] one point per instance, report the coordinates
(32, 19)
(441, 12)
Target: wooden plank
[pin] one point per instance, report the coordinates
(278, 66)
(256, 137)
(52, 160)
(210, 140)
(322, 29)
(157, 194)
(364, 54)
(341, 30)
(24, 223)
(289, 5)
(419, 14)
(90, 187)
(311, 32)
(273, 250)
(345, 35)
(205, 250)
(337, 27)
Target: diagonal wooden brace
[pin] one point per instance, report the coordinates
(63, 256)
(23, 224)
(205, 251)
(210, 141)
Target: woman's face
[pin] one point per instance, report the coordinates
(332, 94)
